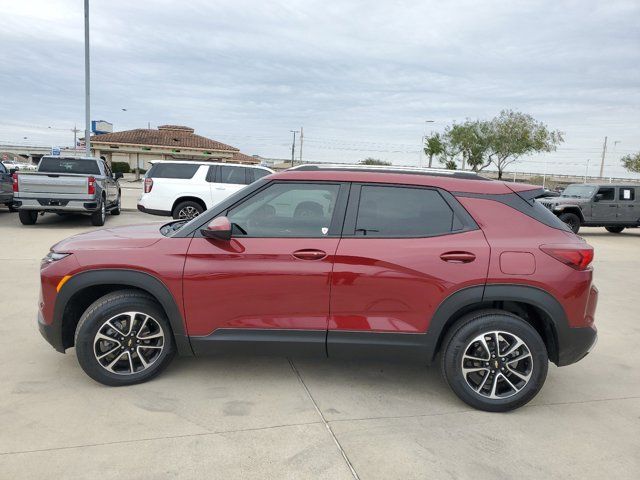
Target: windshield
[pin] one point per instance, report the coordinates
(579, 191)
(68, 165)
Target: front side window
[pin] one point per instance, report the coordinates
(627, 194)
(233, 175)
(386, 211)
(286, 210)
(607, 193)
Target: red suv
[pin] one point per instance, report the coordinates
(341, 262)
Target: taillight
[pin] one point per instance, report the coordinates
(91, 186)
(148, 185)
(16, 187)
(576, 256)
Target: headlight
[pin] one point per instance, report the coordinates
(52, 257)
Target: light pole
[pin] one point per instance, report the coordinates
(424, 137)
(293, 146)
(586, 171)
(87, 112)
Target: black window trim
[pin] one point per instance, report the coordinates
(459, 212)
(337, 220)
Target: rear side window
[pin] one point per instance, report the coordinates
(173, 170)
(2, 168)
(402, 212)
(233, 175)
(258, 173)
(68, 165)
(627, 194)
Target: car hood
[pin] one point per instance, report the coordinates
(131, 236)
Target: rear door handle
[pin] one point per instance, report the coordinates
(309, 254)
(458, 257)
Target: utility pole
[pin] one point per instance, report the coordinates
(87, 103)
(293, 146)
(75, 136)
(301, 141)
(604, 152)
(586, 171)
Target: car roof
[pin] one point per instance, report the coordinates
(606, 184)
(204, 162)
(467, 182)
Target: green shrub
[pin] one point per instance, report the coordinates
(120, 167)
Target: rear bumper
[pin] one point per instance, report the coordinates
(56, 205)
(151, 211)
(575, 344)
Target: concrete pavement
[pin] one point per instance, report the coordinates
(275, 418)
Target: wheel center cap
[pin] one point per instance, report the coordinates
(496, 364)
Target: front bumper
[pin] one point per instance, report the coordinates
(51, 333)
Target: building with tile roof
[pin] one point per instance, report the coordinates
(168, 142)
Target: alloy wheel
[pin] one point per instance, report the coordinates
(128, 343)
(188, 212)
(497, 364)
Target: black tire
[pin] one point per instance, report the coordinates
(572, 220)
(94, 321)
(187, 210)
(614, 229)
(460, 341)
(28, 217)
(116, 209)
(100, 215)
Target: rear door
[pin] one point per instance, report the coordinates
(628, 205)
(6, 183)
(605, 209)
(228, 179)
(404, 250)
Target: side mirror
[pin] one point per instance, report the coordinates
(117, 175)
(12, 171)
(598, 197)
(219, 228)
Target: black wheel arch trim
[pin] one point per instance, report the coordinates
(126, 278)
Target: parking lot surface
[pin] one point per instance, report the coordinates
(288, 418)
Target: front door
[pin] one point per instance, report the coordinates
(605, 209)
(268, 287)
(404, 250)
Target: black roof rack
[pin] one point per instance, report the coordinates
(434, 172)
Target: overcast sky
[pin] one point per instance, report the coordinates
(360, 76)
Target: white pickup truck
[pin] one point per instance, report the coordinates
(67, 185)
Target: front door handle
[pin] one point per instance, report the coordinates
(458, 257)
(309, 254)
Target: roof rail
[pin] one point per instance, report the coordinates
(438, 172)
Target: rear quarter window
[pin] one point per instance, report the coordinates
(182, 171)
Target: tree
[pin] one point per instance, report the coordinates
(470, 140)
(374, 161)
(511, 135)
(433, 147)
(631, 162)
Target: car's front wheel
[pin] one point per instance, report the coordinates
(572, 220)
(494, 361)
(124, 338)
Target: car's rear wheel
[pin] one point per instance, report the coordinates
(614, 229)
(28, 217)
(494, 361)
(100, 215)
(572, 220)
(124, 338)
(187, 210)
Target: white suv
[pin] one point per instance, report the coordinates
(185, 189)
